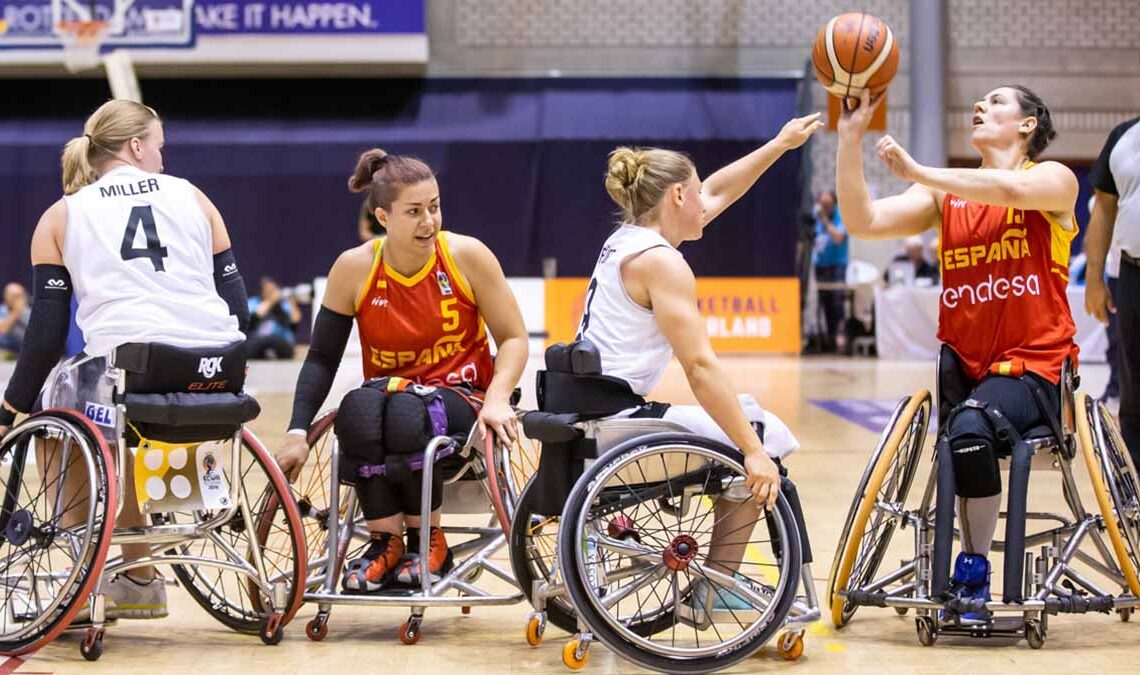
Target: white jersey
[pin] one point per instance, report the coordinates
(139, 250)
(627, 335)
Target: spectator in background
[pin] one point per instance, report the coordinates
(14, 316)
(914, 253)
(273, 320)
(367, 224)
(830, 265)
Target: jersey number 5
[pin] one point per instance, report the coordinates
(154, 250)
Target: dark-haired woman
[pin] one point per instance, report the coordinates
(420, 297)
(1006, 229)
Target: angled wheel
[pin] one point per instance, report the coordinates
(258, 553)
(1114, 482)
(650, 567)
(56, 521)
(885, 485)
(533, 549)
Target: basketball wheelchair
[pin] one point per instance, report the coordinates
(480, 477)
(618, 536)
(1082, 555)
(219, 509)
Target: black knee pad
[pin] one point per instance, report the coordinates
(359, 430)
(975, 467)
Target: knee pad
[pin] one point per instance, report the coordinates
(975, 467)
(412, 419)
(359, 429)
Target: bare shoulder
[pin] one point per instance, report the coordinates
(47, 240)
(660, 263)
(471, 255)
(356, 260)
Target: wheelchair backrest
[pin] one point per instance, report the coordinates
(153, 368)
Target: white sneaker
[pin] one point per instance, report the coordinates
(128, 598)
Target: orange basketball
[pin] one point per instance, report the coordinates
(853, 52)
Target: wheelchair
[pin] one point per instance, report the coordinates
(1082, 556)
(203, 482)
(611, 540)
(480, 477)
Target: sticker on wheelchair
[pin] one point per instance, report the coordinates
(180, 477)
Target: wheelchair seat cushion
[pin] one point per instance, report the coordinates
(551, 427)
(153, 368)
(185, 417)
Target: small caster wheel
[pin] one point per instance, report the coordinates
(465, 611)
(92, 646)
(790, 645)
(535, 628)
(926, 631)
(571, 657)
(1034, 634)
(318, 628)
(271, 631)
(410, 632)
(901, 611)
(1125, 614)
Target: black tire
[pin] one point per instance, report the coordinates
(789, 558)
(535, 560)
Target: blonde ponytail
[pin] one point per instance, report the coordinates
(104, 134)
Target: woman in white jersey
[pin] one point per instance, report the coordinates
(149, 259)
(641, 306)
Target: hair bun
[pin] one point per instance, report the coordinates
(369, 163)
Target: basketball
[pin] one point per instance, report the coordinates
(853, 52)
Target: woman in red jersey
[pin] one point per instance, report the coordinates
(420, 297)
(1006, 230)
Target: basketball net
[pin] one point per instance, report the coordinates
(81, 41)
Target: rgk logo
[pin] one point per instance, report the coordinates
(210, 366)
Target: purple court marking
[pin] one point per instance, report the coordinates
(871, 415)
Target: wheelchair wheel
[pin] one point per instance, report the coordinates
(54, 533)
(1114, 482)
(265, 534)
(868, 530)
(628, 560)
(509, 468)
(533, 544)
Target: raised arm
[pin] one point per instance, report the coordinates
(722, 188)
(672, 291)
(500, 310)
(914, 211)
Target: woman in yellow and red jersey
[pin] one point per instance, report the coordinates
(423, 300)
(1006, 229)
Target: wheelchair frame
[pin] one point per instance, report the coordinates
(1051, 584)
(804, 608)
(460, 579)
(162, 537)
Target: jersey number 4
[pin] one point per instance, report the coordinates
(154, 250)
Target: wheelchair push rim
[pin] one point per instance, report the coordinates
(857, 551)
(37, 528)
(1114, 483)
(509, 468)
(273, 529)
(671, 558)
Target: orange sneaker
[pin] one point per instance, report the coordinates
(373, 570)
(440, 560)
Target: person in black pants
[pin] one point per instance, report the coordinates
(1115, 222)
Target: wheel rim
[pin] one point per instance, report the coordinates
(37, 605)
(888, 479)
(642, 565)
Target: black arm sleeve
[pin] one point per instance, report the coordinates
(46, 337)
(330, 335)
(231, 287)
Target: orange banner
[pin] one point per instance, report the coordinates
(742, 314)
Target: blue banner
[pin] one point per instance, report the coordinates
(246, 17)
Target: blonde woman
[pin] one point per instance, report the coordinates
(642, 308)
(148, 259)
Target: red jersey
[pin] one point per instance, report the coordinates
(426, 327)
(1003, 307)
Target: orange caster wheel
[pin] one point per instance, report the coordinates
(466, 611)
(410, 631)
(571, 658)
(535, 627)
(790, 645)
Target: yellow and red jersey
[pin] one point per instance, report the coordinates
(427, 327)
(1003, 307)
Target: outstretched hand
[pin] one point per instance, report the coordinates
(856, 119)
(798, 130)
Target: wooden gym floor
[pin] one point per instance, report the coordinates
(490, 640)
